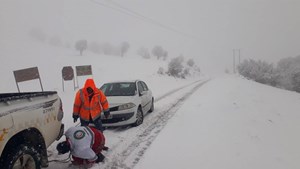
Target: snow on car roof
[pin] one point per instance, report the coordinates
(122, 81)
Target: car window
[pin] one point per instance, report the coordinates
(145, 86)
(104, 88)
(119, 89)
(140, 86)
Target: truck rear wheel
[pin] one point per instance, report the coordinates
(23, 157)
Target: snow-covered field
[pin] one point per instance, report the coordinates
(200, 122)
(231, 123)
(50, 61)
(223, 122)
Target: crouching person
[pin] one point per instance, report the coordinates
(85, 144)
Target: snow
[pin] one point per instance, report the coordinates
(227, 122)
(223, 122)
(230, 123)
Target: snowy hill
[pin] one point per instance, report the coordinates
(231, 123)
(228, 122)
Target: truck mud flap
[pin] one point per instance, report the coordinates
(61, 132)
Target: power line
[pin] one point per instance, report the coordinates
(152, 20)
(116, 9)
(132, 13)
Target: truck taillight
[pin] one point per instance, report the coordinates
(60, 113)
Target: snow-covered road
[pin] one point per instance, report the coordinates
(127, 144)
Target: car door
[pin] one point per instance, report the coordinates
(142, 96)
(148, 96)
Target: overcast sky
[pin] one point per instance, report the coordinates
(207, 30)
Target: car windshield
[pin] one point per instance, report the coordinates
(119, 89)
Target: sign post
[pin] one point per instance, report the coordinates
(67, 75)
(26, 75)
(83, 71)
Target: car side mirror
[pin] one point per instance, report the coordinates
(141, 93)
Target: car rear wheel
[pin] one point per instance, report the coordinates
(139, 118)
(23, 157)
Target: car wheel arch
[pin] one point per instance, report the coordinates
(32, 137)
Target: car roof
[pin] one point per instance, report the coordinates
(123, 81)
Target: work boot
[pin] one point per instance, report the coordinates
(105, 148)
(100, 157)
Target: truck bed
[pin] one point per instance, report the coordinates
(4, 97)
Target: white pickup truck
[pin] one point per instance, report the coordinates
(29, 123)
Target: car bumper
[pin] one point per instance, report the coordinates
(119, 119)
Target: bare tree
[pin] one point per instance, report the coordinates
(142, 51)
(296, 81)
(81, 45)
(259, 71)
(288, 70)
(185, 73)
(165, 55)
(175, 66)
(159, 52)
(190, 62)
(161, 71)
(124, 48)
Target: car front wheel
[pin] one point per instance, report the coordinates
(139, 118)
(152, 106)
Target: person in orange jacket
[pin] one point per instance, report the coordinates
(89, 103)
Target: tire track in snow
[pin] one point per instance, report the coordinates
(174, 90)
(132, 151)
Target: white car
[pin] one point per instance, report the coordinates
(128, 101)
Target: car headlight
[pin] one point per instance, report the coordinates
(126, 106)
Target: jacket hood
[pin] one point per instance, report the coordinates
(89, 83)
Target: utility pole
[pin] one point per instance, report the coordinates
(239, 59)
(239, 56)
(233, 60)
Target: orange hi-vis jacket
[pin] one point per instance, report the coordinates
(85, 108)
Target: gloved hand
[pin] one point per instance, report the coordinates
(106, 113)
(75, 118)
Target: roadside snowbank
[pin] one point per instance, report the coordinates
(231, 123)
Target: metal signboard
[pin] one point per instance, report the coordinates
(67, 75)
(26, 75)
(84, 70)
